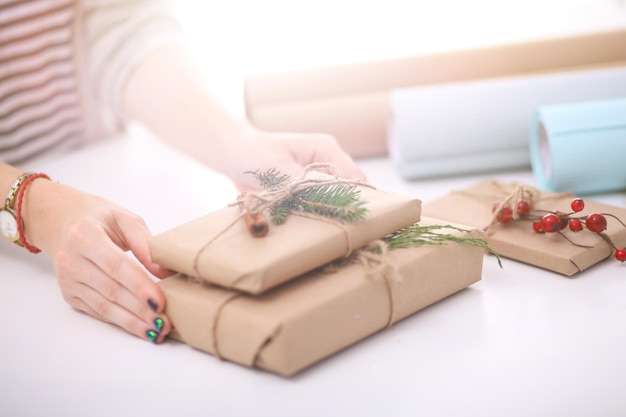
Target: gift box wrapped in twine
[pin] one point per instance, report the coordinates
(298, 323)
(217, 248)
(567, 252)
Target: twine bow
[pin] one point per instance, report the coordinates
(253, 204)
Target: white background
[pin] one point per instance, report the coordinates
(238, 37)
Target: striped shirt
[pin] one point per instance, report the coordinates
(63, 67)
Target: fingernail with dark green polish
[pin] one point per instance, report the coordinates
(158, 324)
(154, 306)
(152, 335)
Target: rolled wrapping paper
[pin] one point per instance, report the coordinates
(580, 147)
(479, 126)
(351, 101)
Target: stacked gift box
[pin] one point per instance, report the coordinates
(308, 288)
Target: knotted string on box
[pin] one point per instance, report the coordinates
(374, 260)
(377, 266)
(253, 204)
(509, 194)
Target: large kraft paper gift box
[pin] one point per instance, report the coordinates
(298, 323)
(238, 261)
(518, 241)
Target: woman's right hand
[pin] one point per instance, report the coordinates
(88, 239)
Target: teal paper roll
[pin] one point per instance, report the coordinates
(580, 147)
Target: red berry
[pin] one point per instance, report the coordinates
(620, 254)
(523, 207)
(596, 222)
(550, 223)
(537, 227)
(578, 204)
(505, 215)
(575, 225)
(563, 220)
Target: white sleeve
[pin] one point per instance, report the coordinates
(114, 37)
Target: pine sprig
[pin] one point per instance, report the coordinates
(279, 213)
(416, 235)
(271, 179)
(338, 201)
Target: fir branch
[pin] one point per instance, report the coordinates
(279, 213)
(339, 201)
(417, 235)
(336, 200)
(271, 179)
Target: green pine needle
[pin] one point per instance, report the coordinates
(271, 179)
(337, 201)
(279, 213)
(416, 235)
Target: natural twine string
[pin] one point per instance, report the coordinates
(257, 202)
(377, 265)
(374, 260)
(512, 192)
(218, 312)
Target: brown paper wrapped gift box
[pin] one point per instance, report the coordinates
(309, 318)
(238, 261)
(518, 241)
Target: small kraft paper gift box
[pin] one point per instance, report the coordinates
(563, 251)
(300, 322)
(218, 248)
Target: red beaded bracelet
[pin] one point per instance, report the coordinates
(18, 211)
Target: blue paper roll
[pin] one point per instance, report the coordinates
(580, 147)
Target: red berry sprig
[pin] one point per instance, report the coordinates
(556, 221)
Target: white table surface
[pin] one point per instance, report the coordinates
(521, 342)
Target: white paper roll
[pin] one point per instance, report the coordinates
(476, 126)
(580, 147)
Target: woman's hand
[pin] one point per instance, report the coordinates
(88, 239)
(289, 153)
(171, 97)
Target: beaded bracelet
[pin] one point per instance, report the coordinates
(18, 211)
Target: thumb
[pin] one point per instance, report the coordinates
(137, 238)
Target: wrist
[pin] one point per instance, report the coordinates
(11, 219)
(42, 203)
(39, 203)
(29, 179)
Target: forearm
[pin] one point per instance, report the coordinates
(169, 95)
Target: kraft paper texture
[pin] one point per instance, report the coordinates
(518, 241)
(307, 319)
(239, 261)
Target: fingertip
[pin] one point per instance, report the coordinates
(156, 301)
(153, 304)
(161, 327)
(159, 271)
